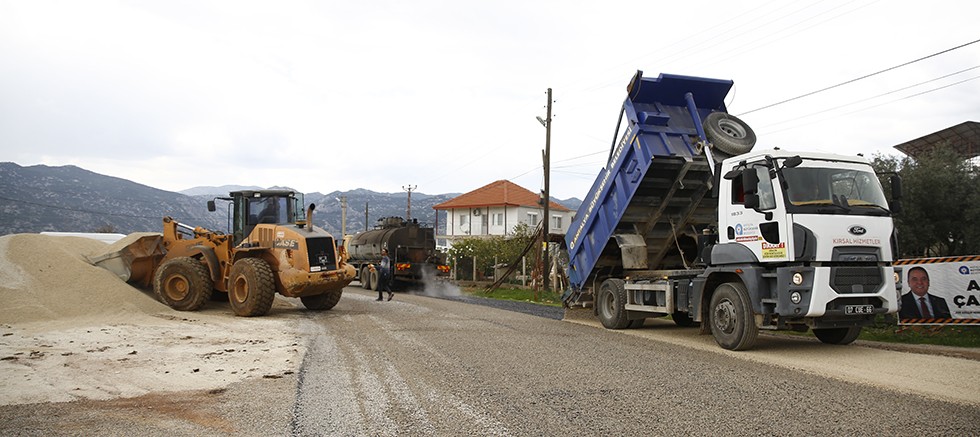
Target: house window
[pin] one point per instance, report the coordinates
(556, 222)
(498, 219)
(532, 218)
(463, 219)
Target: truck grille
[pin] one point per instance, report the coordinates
(847, 280)
(322, 254)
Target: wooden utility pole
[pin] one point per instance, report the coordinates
(366, 215)
(547, 193)
(408, 210)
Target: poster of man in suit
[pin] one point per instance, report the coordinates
(940, 291)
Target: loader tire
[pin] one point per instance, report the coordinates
(322, 302)
(251, 287)
(729, 134)
(183, 283)
(838, 335)
(611, 304)
(366, 278)
(732, 320)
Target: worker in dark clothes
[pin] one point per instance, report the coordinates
(384, 276)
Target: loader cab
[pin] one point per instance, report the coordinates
(251, 208)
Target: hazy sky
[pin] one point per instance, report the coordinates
(443, 95)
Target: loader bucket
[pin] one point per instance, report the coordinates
(134, 258)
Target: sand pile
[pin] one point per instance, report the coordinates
(70, 330)
(44, 278)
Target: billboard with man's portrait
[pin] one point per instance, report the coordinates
(940, 291)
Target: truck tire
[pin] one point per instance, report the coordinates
(322, 302)
(366, 278)
(251, 287)
(374, 278)
(838, 335)
(728, 134)
(611, 304)
(732, 320)
(183, 283)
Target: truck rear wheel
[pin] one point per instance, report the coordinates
(375, 278)
(838, 335)
(366, 278)
(183, 283)
(729, 134)
(732, 319)
(611, 304)
(323, 301)
(251, 287)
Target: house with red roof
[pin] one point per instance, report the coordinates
(495, 208)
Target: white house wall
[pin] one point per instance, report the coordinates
(465, 222)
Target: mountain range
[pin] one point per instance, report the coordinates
(42, 198)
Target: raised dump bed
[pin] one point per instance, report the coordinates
(645, 209)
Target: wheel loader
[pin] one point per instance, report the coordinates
(273, 247)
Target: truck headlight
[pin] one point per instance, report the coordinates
(795, 296)
(797, 279)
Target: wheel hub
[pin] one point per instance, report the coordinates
(724, 318)
(240, 290)
(733, 130)
(177, 287)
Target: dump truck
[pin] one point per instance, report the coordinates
(411, 249)
(272, 248)
(686, 220)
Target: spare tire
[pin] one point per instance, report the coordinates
(728, 134)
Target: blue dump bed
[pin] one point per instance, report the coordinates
(651, 190)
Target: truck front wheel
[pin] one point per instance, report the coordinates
(838, 335)
(611, 304)
(732, 320)
(183, 283)
(251, 287)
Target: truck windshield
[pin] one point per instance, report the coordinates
(835, 190)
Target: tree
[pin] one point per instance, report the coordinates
(941, 203)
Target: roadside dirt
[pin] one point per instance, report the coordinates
(935, 372)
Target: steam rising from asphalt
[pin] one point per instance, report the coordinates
(433, 286)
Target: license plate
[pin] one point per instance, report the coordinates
(859, 309)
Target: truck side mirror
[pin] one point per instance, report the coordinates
(750, 181)
(896, 182)
(896, 203)
(750, 184)
(211, 206)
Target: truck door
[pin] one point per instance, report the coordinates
(762, 228)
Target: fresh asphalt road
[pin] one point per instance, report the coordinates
(422, 365)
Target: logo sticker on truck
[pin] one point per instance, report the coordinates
(773, 250)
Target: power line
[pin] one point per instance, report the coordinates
(880, 95)
(860, 78)
(886, 103)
